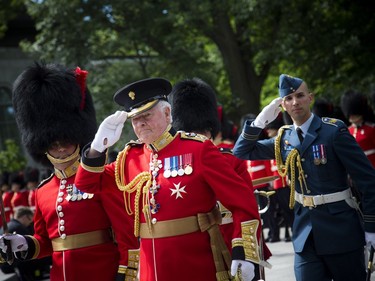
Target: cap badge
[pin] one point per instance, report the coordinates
(131, 95)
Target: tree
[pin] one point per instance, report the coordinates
(238, 46)
(11, 159)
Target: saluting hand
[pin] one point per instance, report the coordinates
(109, 131)
(268, 114)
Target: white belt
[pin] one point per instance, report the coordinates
(313, 201)
(369, 152)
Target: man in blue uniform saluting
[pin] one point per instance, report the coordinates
(317, 154)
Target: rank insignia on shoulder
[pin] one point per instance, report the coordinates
(193, 136)
(329, 121)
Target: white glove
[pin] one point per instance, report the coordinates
(18, 243)
(247, 269)
(268, 114)
(109, 131)
(370, 239)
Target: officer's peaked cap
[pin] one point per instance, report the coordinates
(142, 95)
(288, 84)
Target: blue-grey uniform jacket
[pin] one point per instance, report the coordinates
(336, 227)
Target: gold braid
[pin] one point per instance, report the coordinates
(141, 180)
(291, 161)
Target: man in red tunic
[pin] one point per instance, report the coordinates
(171, 182)
(55, 114)
(357, 110)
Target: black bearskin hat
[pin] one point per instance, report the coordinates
(52, 103)
(355, 103)
(323, 108)
(16, 178)
(194, 107)
(31, 174)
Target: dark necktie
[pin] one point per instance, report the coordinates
(299, 133)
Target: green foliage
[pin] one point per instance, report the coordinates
(240, 47)
(11, 160)
(8, 11)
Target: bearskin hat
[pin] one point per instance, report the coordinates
(194, 107)
(52, 103)
(356, 103)
(323, 108)
(31, 174)
(16, 178)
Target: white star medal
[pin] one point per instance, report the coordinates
(178, 190)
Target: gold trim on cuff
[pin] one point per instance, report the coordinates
(250, 240)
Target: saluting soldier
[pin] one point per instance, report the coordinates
(56, 118)
(317, 154)
(171, 181)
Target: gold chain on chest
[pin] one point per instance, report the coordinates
(292, 160)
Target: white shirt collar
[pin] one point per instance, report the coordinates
(305, 126)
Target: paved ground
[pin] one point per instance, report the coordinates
(281, 260)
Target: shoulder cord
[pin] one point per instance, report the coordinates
(291, 161)
(141, 180)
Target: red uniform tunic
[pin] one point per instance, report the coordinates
(240, 166)
(31, 199)
(58, 217)
(20, 199)
(189, 256)
(259, 169)
(365, 137)
(7, 201)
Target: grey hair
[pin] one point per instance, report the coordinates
(163, 104)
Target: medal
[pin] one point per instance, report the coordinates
(316, 155)
(188, 163)
(323, 153)
(188, 170)
(174, 166)
(167, 168)
(180, 171)
(85, 195)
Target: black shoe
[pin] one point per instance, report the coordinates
(287, 239)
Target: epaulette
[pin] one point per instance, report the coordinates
(46, 180)
(193, 136)
(134, 143)
(225, 150)
(330, 121)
